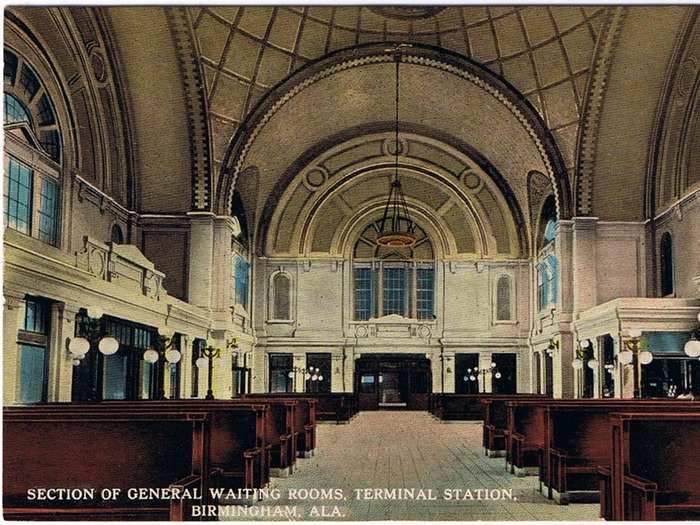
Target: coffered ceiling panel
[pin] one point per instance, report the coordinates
(544, 51)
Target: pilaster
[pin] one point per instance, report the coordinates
(584, 263)
(201, 259)
(13, 319)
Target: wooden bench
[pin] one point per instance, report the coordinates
(338, 407)
(100, 450)
(237, 439)
(654, 469)
(495, 427)
(576, 443)
(304, 419)
(524, 436)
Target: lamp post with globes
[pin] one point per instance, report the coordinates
(91, 334)
(310, 374)
(474, 373)
(209, 353)
(635, 354)
(692, 347)
(163, 344)
(583, 349)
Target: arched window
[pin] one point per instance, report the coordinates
(550, 231)
(503, 299)
(32, 190)
(240, 279)
(117, 236)
(542, 280)
(666, 256)
(384, 277)
(281, 293)
(553, 279)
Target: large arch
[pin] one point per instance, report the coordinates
(353, 89)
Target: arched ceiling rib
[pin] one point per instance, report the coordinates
(543, 51)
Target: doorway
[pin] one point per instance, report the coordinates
(393, 381)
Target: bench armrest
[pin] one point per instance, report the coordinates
(179, 508)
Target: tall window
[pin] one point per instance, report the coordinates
(666, 256)
(364, 293)
(503, 309)
(553, 279)
(322, 381)
(33, 352)
(281, 292)
(116, 235)
(542, 279)
(425, 293)
(241, 270)
(393, 280)
(394, 291)
(280, 368)
(31, 182)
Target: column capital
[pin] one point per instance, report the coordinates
(584, 223)
(13, 299)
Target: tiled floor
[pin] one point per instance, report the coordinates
(387, 450)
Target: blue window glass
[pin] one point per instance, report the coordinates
(425, 286)
(15, 111)
(542, 279)
(241, 270)
(48, 212)
(51, 142)
(553, 279)
(28, 83)
(9, 66)
(364, 294)
(18, 200)
(550, 231)
(32, 373)
(45, 111)
(394, 291)
(115, 376)
(36, 317)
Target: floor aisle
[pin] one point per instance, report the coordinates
(387, 450)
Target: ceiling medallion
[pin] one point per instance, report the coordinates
(406, 12)
(396, 229)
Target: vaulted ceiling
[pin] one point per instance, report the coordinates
(545, 52)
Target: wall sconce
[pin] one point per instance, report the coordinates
(91, 327)
(581, 351)
(635, 354)
(474, 373)
(209, 353)
(552, 347)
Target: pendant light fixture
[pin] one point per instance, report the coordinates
(396, 229)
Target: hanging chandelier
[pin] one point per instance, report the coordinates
(396, 228)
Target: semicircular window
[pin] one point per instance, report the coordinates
(26, 100)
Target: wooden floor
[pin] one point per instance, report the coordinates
(397, 449)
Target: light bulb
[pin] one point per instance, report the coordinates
(472, 378)
(76, 362)
(585, 343)
(108, 346)
(95, 312)
(626, 357)
(320, 378)
(314, 377)
(493, 365)
(173, 356)
(200, 362)
(646, 357)
(290, 375)
(465, 378)
(150, 356)
(79, 346)
(498, 375)
(307, 376)
(593, 364)
(692, 348)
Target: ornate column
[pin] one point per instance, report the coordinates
(449, 356)
(13, 320)
(60, 380)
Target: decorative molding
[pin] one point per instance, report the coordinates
(591, 116)
(197, 106)
(241, 144)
